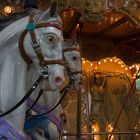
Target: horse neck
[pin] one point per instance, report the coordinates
(13, 30)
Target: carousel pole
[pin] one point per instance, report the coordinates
(79, 92)
(68, 31)
(88, 110)
(78, 114)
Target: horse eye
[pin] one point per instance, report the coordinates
(74, 57)
(50, 39)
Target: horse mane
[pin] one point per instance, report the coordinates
(5, 21)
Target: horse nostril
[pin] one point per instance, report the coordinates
(58, 81)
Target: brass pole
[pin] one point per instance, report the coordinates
(79, 113)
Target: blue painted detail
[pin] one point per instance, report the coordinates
(30, 26)
(34, 121)
(34, 124)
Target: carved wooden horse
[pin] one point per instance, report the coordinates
(41, 45)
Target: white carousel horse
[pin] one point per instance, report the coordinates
(13, 69)
(50, 98)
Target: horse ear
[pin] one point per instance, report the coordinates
(53, 9)
(50, 13)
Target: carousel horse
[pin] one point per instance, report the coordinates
(41, 46)
(48, 100)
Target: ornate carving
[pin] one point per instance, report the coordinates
(93, 10)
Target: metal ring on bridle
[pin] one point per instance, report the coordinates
(44, 71)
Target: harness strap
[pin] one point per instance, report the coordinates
(71, 49)
(24, 98)
(76, 72)
(36, 100)
(21, 47)
(35, 44)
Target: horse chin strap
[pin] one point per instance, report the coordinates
(44, 71)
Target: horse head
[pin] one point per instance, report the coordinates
(43, 47)
(73, 59)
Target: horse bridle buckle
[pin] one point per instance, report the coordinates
(44, 71)
(36, 46)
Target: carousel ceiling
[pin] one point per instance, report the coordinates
(110, 28)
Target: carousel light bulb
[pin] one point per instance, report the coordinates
(133, 66)
(134, 77)
(95, 137)
(112, 137)
(77, 26)
(115, 60)
(8, 9)
(119, 62)
(99, 62)
(110, 128)
(91, 64)
(111, 60)
(105, 60)
(137, 67)
(122, 66)
(126, 68)
(84, 62)
(130, 67)
(96, 67)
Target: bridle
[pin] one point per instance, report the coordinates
(36, 46)
(69, 71)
